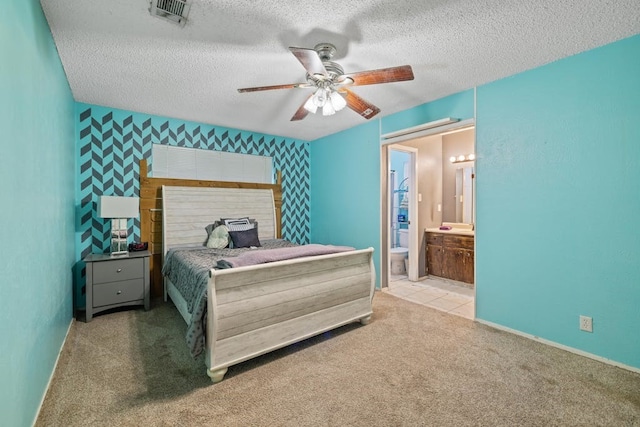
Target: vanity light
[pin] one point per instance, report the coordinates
(462, 158)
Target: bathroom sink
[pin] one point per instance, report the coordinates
(458, 226)
(459, 231)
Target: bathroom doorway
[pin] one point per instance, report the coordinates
(441, 198)
(402, 233)
(435, 191)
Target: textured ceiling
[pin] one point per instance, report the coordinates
(116, 54)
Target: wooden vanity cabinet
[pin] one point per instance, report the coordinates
(450, 256)
(434, 254)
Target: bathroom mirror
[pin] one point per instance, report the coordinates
(457, 177)
(464, 195)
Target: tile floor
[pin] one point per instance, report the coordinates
(436, 293)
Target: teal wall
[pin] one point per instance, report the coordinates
(397, 161)
(458, 105)
(111, 143)
(558, 201)
(558, 191)
(37, 214)
(558, 196)
(345, 188)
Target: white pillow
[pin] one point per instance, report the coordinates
(219, 238)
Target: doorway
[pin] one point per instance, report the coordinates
(431, 190)
(402, 233)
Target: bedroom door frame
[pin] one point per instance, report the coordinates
(387, 193)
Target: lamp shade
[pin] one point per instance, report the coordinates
(337, 101)
(118, 207)
(310, 105)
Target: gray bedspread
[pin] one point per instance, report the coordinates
(188, 269)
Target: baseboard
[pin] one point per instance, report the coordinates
(560, 346)
(53, 371)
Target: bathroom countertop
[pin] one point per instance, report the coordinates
(460, 231)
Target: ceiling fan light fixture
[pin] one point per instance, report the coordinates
(310, 105)
(328, 109)
(320, 97)
(337, 101)
(329, 100)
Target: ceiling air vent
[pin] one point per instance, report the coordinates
(175, 11)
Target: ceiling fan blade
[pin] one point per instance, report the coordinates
(359, 105)
(310, 60)
(382, 75)
(259, 88)
(302, 112)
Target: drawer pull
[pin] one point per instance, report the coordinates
(119, 270)
(118, 293)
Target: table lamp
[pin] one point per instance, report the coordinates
(119, 209)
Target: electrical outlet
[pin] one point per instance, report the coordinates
(586, 324)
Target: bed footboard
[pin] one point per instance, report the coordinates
(254, 310)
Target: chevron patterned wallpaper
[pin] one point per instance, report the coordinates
(111, 143)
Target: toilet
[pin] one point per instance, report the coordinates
(399, 254)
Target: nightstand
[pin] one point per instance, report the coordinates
(116, 281)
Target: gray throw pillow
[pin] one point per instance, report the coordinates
(245, 238)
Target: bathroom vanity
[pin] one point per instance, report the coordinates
(450, 254)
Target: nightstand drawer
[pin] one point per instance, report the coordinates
(118, 270)
(118, 292)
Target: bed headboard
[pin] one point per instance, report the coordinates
(151, 212)
(186, 211)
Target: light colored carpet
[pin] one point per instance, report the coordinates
(411, 366)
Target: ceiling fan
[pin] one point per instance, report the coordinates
(330, 84)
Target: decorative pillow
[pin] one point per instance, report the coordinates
(218, 238)
(209, 228)
(237, 224)
(239, 220)
(245, 238)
